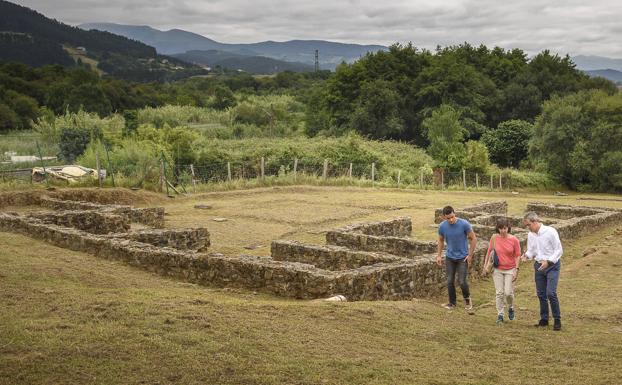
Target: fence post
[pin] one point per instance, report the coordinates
(500, 185)
(491, 185)
(325, 170)
(373, 172)
(194, 181)
(99, 175)
(350, 171)
(421, 179)
(442, 179)
(477, 181)
(161, 174)
(295, 167)
(464, 178)
(399, 176)
(45, 174)
(109, 165)
(229, 171)
(263, 167)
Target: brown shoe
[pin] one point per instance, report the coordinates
(542, 323)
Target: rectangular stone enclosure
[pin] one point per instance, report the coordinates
(366, 261)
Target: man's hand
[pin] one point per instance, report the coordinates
(543, 265)
(439, 260)
(514, 275)
(523, 257)
(468, 259)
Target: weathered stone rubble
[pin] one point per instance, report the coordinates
(370, 261)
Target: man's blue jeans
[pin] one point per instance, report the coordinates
(546, 288)
(454, 266)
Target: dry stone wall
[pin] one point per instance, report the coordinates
(182, 239)
(91, 221)
(472, 212)
(564, 211)
(400, 246)
(327, 257)
(370, 261)
(397, 227)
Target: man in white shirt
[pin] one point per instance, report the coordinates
(544, 246)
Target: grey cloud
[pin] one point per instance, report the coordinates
(564, 26)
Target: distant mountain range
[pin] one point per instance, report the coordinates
(613, 75)
(29, 37)
(591, 63)
(252, 64)
(605, 67)
(176, 41)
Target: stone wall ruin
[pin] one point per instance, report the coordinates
(368, 261)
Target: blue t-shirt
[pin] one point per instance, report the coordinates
(456, 238)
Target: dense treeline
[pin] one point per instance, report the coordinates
(465, 107)
(26, 92)
(578, 139)
(389, 94)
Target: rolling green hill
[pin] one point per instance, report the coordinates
(233, 61)
(31, 38)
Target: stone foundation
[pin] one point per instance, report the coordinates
(151, 216)
(95, 222)
(398, 227)
(471, 212)
(327, 257)
(181, 239)
(400, 246)
(370, 261)
(564, 211)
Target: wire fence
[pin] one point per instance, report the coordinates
(221, 172)
(294, 170)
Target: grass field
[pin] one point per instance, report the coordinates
(71, 318)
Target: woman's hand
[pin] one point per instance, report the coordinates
(486, 269)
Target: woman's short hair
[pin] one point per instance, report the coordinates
(501, 223)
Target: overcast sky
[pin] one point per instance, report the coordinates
(589, 27)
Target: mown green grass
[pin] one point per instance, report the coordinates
(71, 318)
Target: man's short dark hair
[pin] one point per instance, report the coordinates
(448, 210)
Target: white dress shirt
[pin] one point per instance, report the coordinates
(544, 245)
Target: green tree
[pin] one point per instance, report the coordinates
(578, 137)
(476, 156)
(131, 122)
(509, 143)
(377, 112)
(223, 98)
(8, 118)
(446, 135)
(73, 143)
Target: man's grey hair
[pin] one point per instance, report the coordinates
(532, 217)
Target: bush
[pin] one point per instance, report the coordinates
(131, 159)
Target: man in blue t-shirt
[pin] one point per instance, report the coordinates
(461, 242)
